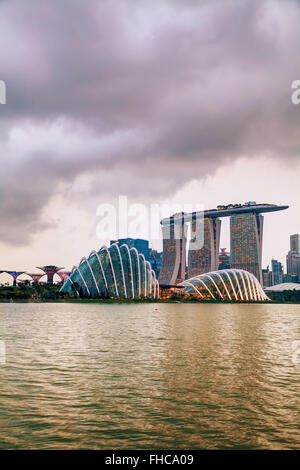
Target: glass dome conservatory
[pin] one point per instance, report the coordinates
(226, 284)
(114, 272)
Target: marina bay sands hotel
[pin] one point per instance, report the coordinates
(246, 236)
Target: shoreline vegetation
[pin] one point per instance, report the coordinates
(43, 293)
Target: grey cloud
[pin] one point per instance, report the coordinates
(168, 87)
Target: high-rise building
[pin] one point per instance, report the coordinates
(155, 259)
(295, 243)
(291, 278)
(293, 258)
(141, 245)
(246, 242)
(293, 264)
(203, 254)
(277, 272)
(224, 259)
(267, 277)
(173, 269)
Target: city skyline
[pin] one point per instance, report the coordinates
(246, 240)
(149, 228)
(182, 258)
(151, 106)
(187, 255)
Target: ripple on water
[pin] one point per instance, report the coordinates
(129, 376)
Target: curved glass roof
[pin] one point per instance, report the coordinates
(113, 272)
(283, 287)
(226, 284)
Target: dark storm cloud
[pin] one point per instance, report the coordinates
(134, 88)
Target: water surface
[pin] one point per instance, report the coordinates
(149, 376)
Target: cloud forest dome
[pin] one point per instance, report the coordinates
(227, 284)
(114, 272)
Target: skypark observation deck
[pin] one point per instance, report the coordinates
(231, 210)
(246, 235)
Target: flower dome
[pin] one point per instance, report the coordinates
(113, 272)
(226, 284)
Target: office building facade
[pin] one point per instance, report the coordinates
(142, 246)
(267, 277)
(246, 226)
(203, 255)
(155, 259)
(293, 265)
(295, 243)
(246, 232)
(293, 258)
(173, 269)
(277, 272)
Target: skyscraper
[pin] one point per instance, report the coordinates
(173, 269)
(204, 257)
(141, 245)
(293, 258)
(277, 272)
(295, 242)
(293, 263)
(155, 259)
(267, 277)
(246, 242)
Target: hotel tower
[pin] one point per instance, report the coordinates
(204, 258)
(246, 236)
(173, 268)
(246, 231)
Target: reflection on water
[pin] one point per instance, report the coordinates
(130, 376)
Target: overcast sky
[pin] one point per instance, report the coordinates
(161, 100)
